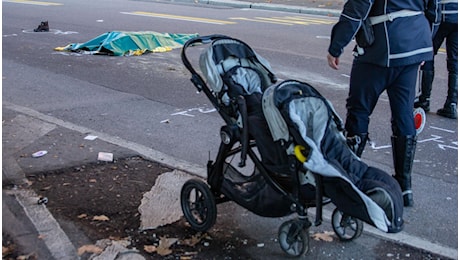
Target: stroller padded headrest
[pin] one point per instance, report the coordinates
(223, 54)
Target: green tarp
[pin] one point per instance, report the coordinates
(119, 43)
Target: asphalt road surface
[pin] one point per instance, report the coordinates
(132, 98)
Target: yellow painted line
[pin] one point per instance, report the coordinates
(309, 20)
(178, 17)
(277, 20)
(29, 2)
(286, 20)
(260, 21)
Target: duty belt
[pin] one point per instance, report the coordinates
(449, 2)
(391, 16)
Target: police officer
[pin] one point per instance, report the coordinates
(448, 30)
(402, 41)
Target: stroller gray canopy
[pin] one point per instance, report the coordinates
(226, 54)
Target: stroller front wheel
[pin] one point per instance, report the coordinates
(293, 238)
(346, 227)
(198, 205)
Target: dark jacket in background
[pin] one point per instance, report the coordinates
(449, 11)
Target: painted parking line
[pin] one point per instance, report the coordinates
(179, 17)
(286, 20)
(305, 20)
(29, 2)
(260, 20)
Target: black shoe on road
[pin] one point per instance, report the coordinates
(425, 105)
(449, 111)
(43, 27)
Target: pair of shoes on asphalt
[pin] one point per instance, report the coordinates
(449, 111)
(43, 27)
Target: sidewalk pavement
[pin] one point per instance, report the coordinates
(23, 218)
(25, 132)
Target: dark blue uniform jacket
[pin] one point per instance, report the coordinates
(403, 41)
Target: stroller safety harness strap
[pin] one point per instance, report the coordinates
(391, 16)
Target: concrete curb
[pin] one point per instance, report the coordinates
(46, 225)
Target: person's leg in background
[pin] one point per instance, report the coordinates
(449, 109)
(427, 78)
(428, 71)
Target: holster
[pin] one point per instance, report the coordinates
(365, 35)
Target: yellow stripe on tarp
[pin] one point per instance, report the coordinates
(29, 2)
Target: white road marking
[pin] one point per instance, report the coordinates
(442, 129)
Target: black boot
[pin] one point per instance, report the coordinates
(450, 106)
(427, 83)
(403, 158)
(449, 110)
(357, 143)
(43, 27)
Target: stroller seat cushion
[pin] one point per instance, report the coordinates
(297, 114)
(242, 81)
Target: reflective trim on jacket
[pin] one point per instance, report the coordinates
(449, 11)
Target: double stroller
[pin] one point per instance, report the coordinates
(282, 151)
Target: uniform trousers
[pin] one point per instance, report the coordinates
(367, 83)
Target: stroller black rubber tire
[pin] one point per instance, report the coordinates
(342, 223)
(293, 238)
(199, 211)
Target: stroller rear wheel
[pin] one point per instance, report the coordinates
(346, 227)
(293, 238)
(198, 205)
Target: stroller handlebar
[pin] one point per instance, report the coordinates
(196, 79)
(204, 39)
